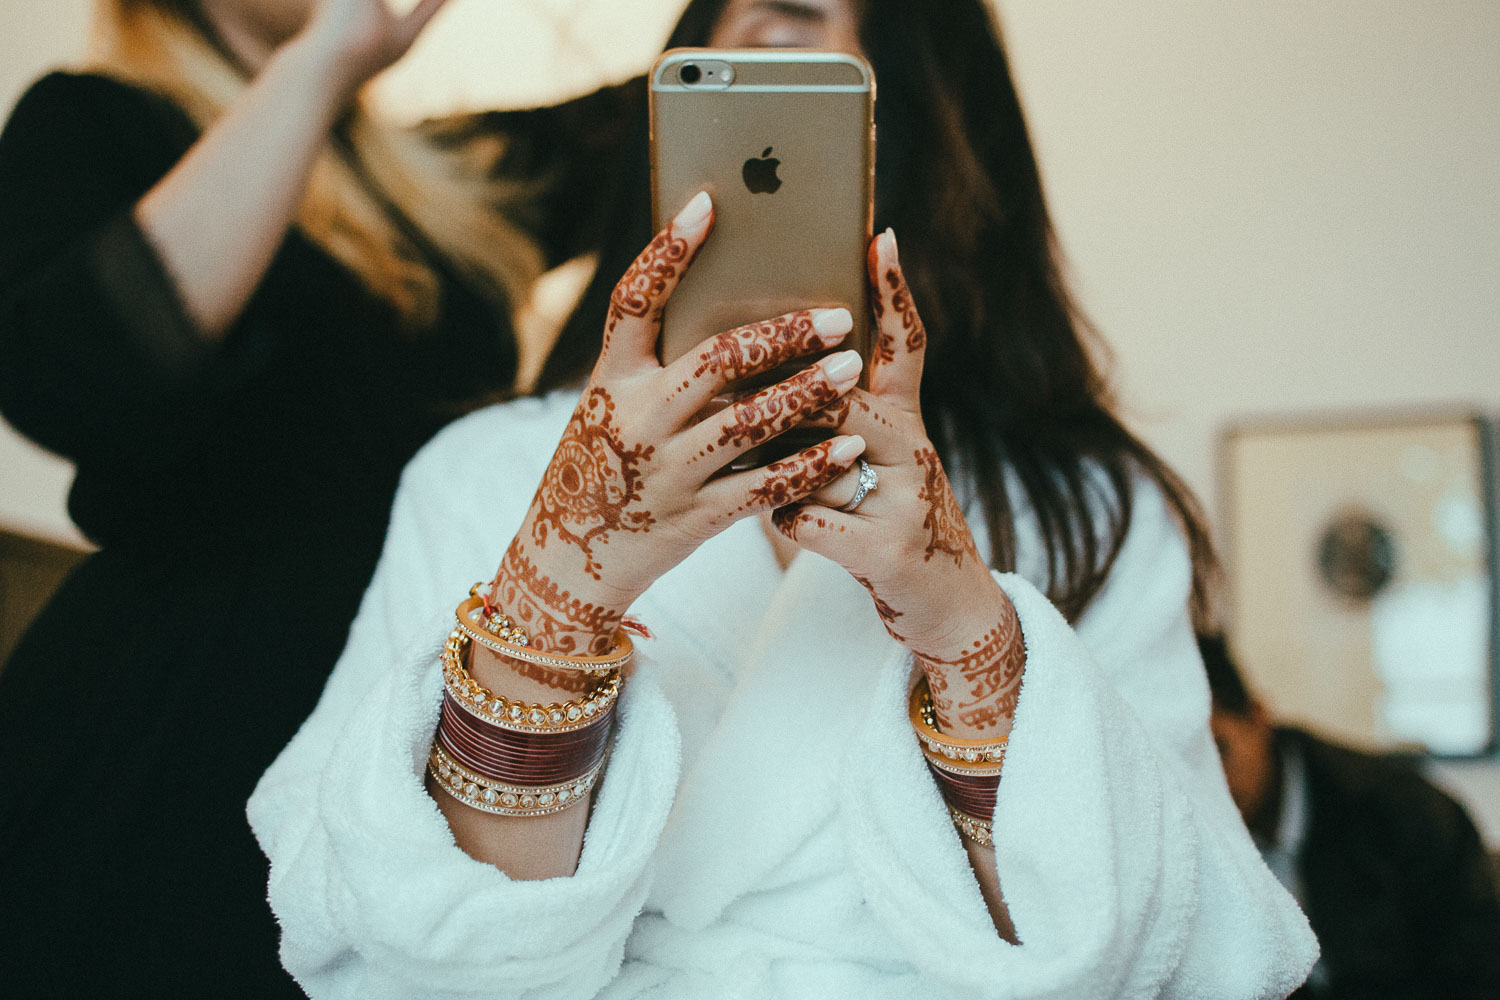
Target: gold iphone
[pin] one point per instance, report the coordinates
(784, 142)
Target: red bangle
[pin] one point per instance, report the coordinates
(520, 758)
(518, 768)
(969, 794)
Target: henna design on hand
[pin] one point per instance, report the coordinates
(835, 413)
(916, 332)
(888, 614)
(639, 291)
(591, 482)
(789, 520)
(944, 520)
(791, 479)
(555, 620)
(771, 411)
(759, 347)
(990, 670)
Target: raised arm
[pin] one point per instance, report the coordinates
(219, 216)
(1076, 763)
(907, 543)
(631, 491)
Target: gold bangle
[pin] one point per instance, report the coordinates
(980, 831)
(501, 799)
(620, 652)
(520, 716)
(978, 769)
(953, 750)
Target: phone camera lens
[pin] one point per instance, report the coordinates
(690, 73)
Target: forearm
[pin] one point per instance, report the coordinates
(974, 694)
(533, 847)
(982, 860)
(524, 847)
(218, 217)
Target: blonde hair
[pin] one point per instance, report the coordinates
(444, 192)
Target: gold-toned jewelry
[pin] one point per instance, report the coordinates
(977, 769)
(524, 717)
(951, 749)
(501, 799)
(980, 831)
(508, 640)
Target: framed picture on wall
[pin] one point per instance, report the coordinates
(1362, 575)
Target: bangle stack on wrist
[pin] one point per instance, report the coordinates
(967, 771)
(495, 632)
(513, 758)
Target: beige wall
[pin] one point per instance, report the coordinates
(34, 35)
(1271, 206)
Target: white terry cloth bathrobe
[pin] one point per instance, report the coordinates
(766, 826)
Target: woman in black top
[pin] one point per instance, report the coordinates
(238, 307)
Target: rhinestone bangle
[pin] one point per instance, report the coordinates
(952, 749)
(520, 716)
(978, 769)
(980, 831)
(501, 799)
(508, 640)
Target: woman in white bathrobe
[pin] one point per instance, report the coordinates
(766, 825)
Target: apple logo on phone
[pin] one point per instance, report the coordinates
(760, 173)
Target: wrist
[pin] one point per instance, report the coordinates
(975, 683)
(563, 610)
(324, 72)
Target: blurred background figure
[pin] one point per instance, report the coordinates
(1390, 871)
(238, 302)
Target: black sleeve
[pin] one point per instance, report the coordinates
(98, 358)
(568, 157)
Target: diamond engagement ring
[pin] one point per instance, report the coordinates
(868, 481)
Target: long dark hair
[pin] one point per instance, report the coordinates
(1011, 380)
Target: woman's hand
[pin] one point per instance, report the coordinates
(363, 37)
(635, 485)
(907, 542)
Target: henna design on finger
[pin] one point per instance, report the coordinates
(639, 292)
(787, 519)
(836, 413)
(944, 520)
(791, 479)
(790, 520)
(916, 332)
(591, 483)
(769, 412)
(759, 347)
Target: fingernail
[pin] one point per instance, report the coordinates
(694, 214)
(842, 368)
(890, 239)
(832, 323)
(847, 449)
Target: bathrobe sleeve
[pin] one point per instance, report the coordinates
(1121, 857)
(373, 896)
